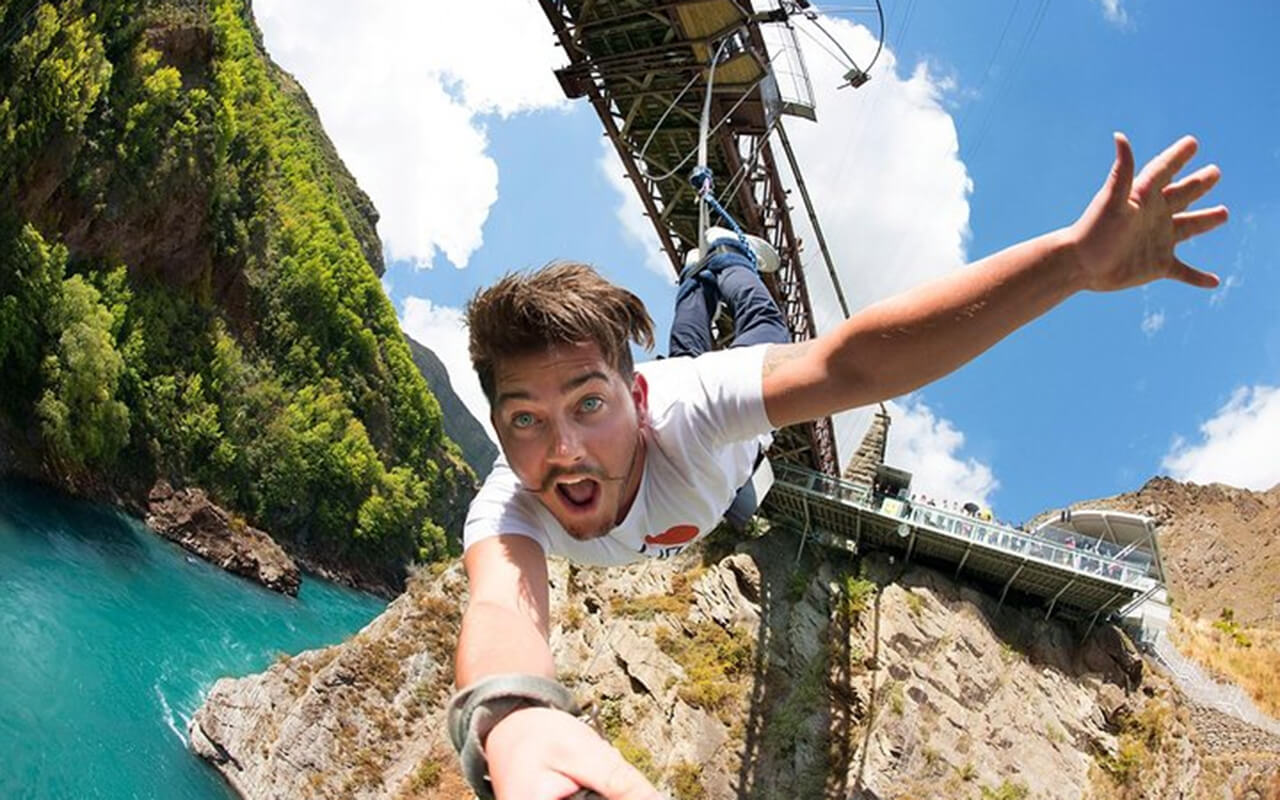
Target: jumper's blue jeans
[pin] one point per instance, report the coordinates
(729, 275)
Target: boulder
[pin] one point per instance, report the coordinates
(189, 518)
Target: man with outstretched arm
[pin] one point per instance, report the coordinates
(605, 463)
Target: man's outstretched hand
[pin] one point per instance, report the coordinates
(1127, 234)
(543, 754)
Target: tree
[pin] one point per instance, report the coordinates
(81, 420)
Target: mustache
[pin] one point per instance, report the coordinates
(557, 473)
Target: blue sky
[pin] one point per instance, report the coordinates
(954, 150)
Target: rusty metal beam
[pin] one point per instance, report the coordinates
(653, 11)
(602, 110)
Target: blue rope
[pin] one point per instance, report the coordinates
(701, 179)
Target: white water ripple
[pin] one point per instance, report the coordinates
(170, 718)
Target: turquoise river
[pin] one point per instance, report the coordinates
(111, 637)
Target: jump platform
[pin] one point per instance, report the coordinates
(1082, 565)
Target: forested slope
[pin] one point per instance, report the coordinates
(189, 287)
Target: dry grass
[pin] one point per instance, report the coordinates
(436, 778)
(676, 602)
(686, 782)
(648, 606)
(717, 665)
(1142, 743)
(1221, 649)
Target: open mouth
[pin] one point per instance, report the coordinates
(579, 495)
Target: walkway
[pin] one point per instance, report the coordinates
(1078, 576)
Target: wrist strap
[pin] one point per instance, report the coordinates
(475, 710)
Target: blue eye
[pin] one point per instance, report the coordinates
(522, 420)
(592, 403)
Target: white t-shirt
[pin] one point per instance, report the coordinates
(708, 425)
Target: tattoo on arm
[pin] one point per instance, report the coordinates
(779, 354)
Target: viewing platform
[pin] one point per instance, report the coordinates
(1083, 565)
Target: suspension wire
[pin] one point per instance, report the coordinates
(1028, 37)
(813, 219)
(991, 62)
(750, 164)
(825, 48)
(702, 178)
(670, 107)
(905, 250)
(669, 173)
(704, 134)
(880, 43)
(813, 17)
(907, 18)
(873, 106)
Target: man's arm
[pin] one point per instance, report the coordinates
(533, 753)
(505, 626)
(1124, 238)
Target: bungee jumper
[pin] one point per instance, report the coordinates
(608, 462)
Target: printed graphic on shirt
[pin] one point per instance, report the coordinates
(667, 544)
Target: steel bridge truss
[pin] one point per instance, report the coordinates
(642, 64)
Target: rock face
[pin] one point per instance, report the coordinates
(748, 675)
(355, 720)
(459, 423)
(187, 516)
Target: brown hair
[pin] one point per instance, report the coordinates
(565, 302)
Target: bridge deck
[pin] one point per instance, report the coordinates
(1081, 579)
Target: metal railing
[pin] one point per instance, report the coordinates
(1070, 551)
(787, 66)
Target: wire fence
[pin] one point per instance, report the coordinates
(1204, 690)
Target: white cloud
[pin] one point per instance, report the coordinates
(883, 168)
(929, 448)
(444, 330)
(636, 227)
(400, 88)
(1220, 296)
(1113, 11)
(1238, 445)
(1152, 322)
(884, 171)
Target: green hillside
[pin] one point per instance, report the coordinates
(189, 287)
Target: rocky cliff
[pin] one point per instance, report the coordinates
(747, 675)
(461, 426)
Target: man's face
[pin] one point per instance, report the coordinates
(569, 425)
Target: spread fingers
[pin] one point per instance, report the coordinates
(1161, 169)
(1191, 188)
(1194, 223)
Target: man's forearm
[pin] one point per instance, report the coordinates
(496, 640)
(902, 343)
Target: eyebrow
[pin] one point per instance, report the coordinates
(568, 386)
(583, 379)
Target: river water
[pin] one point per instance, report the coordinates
(109, 638)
